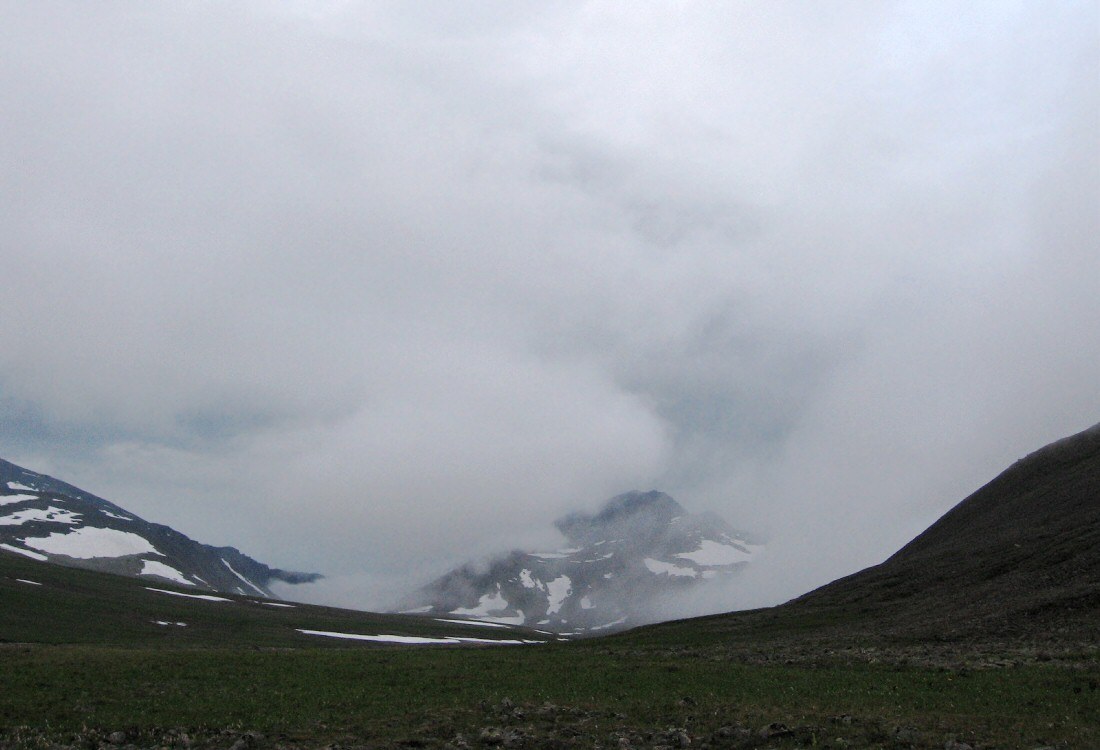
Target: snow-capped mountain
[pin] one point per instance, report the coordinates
(46, 519)
(619, 562)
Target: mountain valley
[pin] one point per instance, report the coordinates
(979, 634)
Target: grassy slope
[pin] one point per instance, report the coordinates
(240, 666)
(389, 695)
(80, 606)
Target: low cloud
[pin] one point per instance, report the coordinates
(371, 291)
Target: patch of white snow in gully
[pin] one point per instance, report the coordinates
(204, 597)
(154, 568)
(479, 623)
(412, 639)
(250, 583)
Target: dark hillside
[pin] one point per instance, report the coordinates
(1017, 561)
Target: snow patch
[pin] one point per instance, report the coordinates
(713, 553)
(24, 580)
(528, 580)
(51, 514)
(557, 590)
(486, 604)
(13, 499)
(506, 619)
(607, 625)
(164, 622)
(91, 541)
(586, 603)
(250, 583)
(656, 566)
(556, 555)
(20, 486)
(154, 568)
(204, 597)
(494, 602)
(479, 623)
(109, 514)
(278, 604)
(24, 552)
(412, 639)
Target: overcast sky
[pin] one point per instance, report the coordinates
(373, 288)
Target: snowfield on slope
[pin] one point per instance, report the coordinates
(558, 590)
(204, 597)
(24, 552)
(659, 567)
(528, 581)
(155, 568)
(713, 553)
(250, 583)
(13, 499)
(494, 602)
(51, 514)
(416, 639)
(91, 541)
(478, 623)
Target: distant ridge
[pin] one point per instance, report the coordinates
(45, 519)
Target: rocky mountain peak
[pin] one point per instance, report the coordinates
(632, 515)
(639, 547)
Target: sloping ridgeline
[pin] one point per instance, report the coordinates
(1016, 561)
(45, 519)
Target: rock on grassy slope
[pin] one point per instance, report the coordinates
(45, 519)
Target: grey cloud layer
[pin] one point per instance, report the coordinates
(371, 290)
